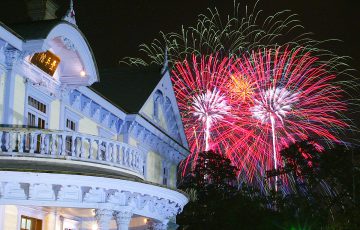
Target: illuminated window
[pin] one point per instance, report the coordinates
(36, 118)
(165, 175)
(37, 104)
(70, 126)
(29, 223)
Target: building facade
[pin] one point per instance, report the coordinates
(76, 153)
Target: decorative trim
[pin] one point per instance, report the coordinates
(44, 189)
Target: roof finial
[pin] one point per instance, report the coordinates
(70, 14)
(166, 61)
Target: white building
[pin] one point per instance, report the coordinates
(75, 151)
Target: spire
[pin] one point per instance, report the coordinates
(166, 62)
(70, 14)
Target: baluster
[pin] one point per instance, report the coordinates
(63, 144)
(32, 137)
(21, 142)
(53, 143)
(15, 141)
(127, 153)
(132, 159)
(10, 142)
(82, 150)
(98, 157)
(106, 151)
(42, 143)
(91, 151)
(47, 143)
(111, 152)
(73, 150)
(122, 157)
(7, 142)
(116, 155)
(1, 141)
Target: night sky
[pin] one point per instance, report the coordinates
(115, 28)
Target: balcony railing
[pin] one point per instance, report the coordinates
(42, 143)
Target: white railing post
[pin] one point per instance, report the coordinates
(73, 146)
(21, 142)
(98, 155)
(1, 140)
(42, 143)
(9, 149)
(63, 144)
(32, 136)
(82, 150)
(91, 151)
(53, 143)
(106, 151)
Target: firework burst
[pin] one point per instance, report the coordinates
(210, 107)
(295, 98)
(271, 96)
(202, 98)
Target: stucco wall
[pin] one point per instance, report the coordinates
(154, 169)
(88, 126)
(148, 108)
(172, 176)
(148, 111)
(10, 217)
(54, 119)
(19, 100)
(132, 141)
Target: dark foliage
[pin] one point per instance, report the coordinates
(325, 193)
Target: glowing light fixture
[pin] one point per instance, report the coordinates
(82, 73)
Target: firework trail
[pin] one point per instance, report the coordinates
(275, 83)
(240, 32)
(295, 98)
(202, 99)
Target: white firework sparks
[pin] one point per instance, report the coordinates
(274, 103)
(210, 107)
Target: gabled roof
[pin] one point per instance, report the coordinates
(128, 87)
(36, 29)
(45, 32)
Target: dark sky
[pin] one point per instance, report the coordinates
(115, 28)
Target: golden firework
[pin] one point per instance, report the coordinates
(241, 87)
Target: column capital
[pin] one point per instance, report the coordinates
(11, 55)
(103, 217)
(123, 216)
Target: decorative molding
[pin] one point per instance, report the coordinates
(70, 193)
(68, 43)
(11, 56)
(97, 195)
(41, 192)
(13, 190)
(76, 191)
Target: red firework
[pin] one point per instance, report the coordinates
(268, 100)
(295, 98)
(204, 103)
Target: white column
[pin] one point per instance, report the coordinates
(103, 218)
(11, 56)
(123, 216)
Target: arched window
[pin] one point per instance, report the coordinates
(158, 101)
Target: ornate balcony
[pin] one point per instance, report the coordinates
(42, 150)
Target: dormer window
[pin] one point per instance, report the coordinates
(46, 61)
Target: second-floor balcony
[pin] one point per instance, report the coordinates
(31, 149)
